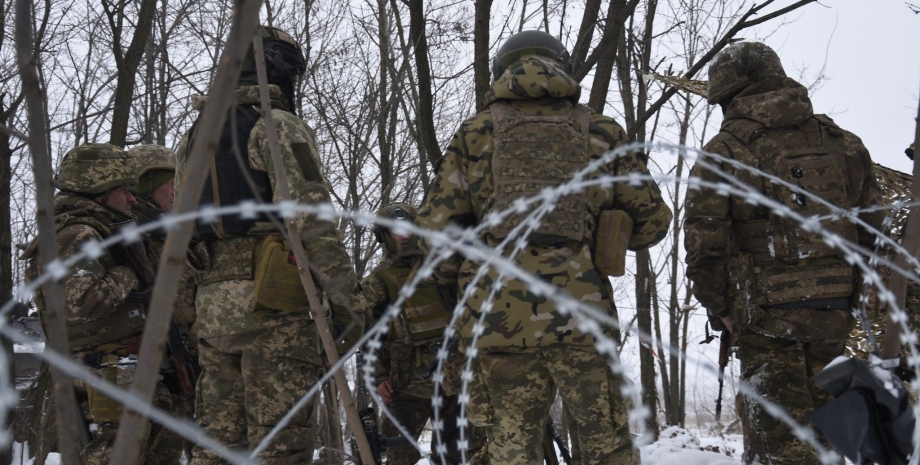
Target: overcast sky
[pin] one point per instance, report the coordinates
(873, 66)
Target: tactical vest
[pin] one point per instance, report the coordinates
(532, 153)
(790, 263)
(127, 321)
(230, 168)
(422, 319)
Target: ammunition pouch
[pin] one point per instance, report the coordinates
(126, 322)
(277, 279)
(424, 316)
(231, 259)
(103, 408)
(614, 228)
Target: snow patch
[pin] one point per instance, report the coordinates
(676, 446)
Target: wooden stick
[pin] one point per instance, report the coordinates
(172, 263)
(892, 343)
(306, 278)
(54, 316)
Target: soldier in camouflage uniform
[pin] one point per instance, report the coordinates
(783, 292)
(412, 344)
(257, 358)
(95, 199)
(529, 349)
(155, 193)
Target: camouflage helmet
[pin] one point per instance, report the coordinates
(95, 169)
(155, 166)
(393, 211)
(529, 43)
(152, 157)
(740, 65)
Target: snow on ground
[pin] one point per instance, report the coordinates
(29, 348)
(677, 446)
(21, 455)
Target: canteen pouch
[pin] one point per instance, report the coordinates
(742, 294)
(614, 229)
(102, 407)
(277, 281)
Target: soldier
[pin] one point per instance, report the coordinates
(155, 192)
(529, 349)
(781, 290)
(104, 325)
(258, 345)
(412, 344)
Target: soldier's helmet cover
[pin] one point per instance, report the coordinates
(526, 43)
(155, 165)
(95, 169)
(740, 65)
(394, 211)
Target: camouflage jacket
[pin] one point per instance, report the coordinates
(401, 363)
(775, 103)
(464, 184)
(95, 287)
(226, 307)
(196, 262)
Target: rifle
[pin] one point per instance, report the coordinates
(378, 442)
(725, 345)
(552, 432)
(451, 347)
(186, 368)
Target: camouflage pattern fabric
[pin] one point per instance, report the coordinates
(403, 365)
(94, 169)
(162, 447)
(321, 239)
(774, 104)
(780, 348)
(463, 188)
(196, 262)
(250, 381)
(255, 368)
(782, 371)
(96, 288)
(522, 388)
(413, 413)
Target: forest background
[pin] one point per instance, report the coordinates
(388, 81)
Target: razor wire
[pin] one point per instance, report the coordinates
(446, 243)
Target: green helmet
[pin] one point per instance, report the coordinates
(529, 43)
(740, 65)
(155, 165)
(95, 169)
(394, 211)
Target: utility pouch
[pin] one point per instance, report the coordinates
(102, 407)
(277, 281)
(742, 292)
(614, 228)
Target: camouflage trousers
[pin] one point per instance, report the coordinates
(782, 371)
(249, 382)
(521, 389)
(413, 413)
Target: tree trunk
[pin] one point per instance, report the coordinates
(127, 66)
(481, 73)
(644, 323)
(608, 53)
(427, 131)
(6, 250)
(383, 111)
